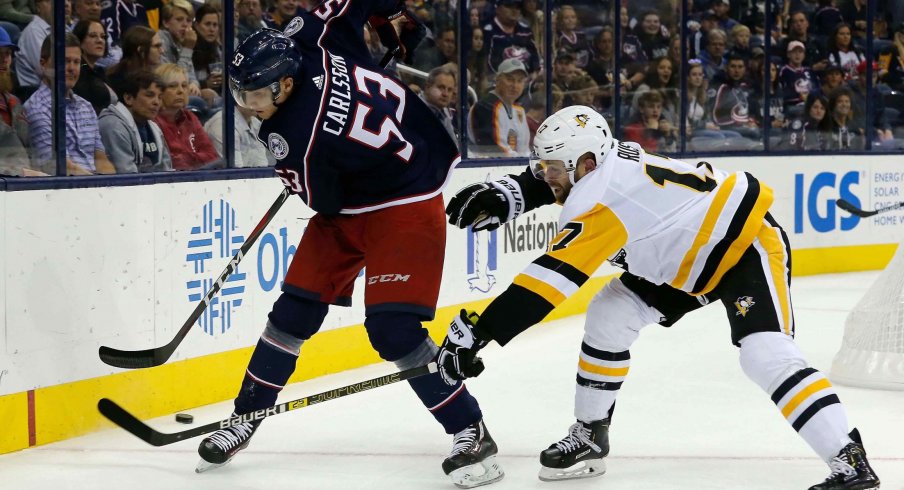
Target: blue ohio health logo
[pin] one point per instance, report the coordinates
(215, 238)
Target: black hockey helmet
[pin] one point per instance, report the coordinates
(262, 60)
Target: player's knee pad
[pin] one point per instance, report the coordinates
(296, 316)
(615, 316)
(395, 335)
(769, 358)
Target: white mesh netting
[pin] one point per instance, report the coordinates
(872, 350)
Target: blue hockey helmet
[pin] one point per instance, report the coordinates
(262, 60)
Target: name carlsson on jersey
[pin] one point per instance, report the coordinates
(340, 96)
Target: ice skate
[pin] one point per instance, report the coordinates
(579, 455)
(850, 469)
(472, 462)
(218, 449)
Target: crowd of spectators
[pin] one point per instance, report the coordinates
(145, 78)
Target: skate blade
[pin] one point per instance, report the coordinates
(478, 474)
(204, 466)
(585, 469)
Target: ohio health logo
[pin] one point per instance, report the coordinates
(481, 260)
(814, 201)
(215, 238)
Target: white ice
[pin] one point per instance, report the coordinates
(687, 417)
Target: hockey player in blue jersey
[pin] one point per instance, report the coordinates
(370, 158)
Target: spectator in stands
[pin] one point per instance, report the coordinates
(133, 140)
(142, 49)
(653, 36)
(675, 50)
(85, 153)
(697, 100)
(14, 14)
(477, 64)
(832, 78)
(826, 18)
(603, 62)
(444, 14)
(721, 8)
(91, 10)
(731, 104)
(13, 157)
(713, 57)
(92, 79)
(799, 25)
(499, 124)
(28, 60)
(190, 147)
(570, 37)
(565, 71)
(893, 60)
(854, 13)
(439, 51)
(757, 99)
(248, 151)
(740, 41)
(811, 130)
(797, 81)
(585, 92)
(283, 11)
(650, 129)
(506, 38)
(251, 18)
(842, 51)
(532, 16)
(662, 76)
(207, 56)
(846, 134)
(179, 41)
(880, 125)
(438, 93)
(120, 15)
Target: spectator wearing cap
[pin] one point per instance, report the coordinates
(92, 79)
(798, 30)
(283, 11)
(570, 37)
(28, 60)
(842, 51)
(721, 8)
(797, 81)
(505, 37)
(85, 154)
(565, 71)
(13, 157)
(133, 140)
(498, 124)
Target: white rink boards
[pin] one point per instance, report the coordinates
(687, 418)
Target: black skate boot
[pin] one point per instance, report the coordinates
(218, 448)
(472, 462)
(850, 469)
(586, 443)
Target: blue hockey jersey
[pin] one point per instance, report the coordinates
(351, 139)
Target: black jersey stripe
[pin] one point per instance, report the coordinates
(605, 355)
(512, 312)
(814, 407)
(790, 383)
(598, 385)
(741, 215)
(567, 270)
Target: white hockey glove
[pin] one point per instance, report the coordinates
(457, 357)
(486, 205)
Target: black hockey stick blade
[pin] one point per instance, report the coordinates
(847, 206)
(154, 357)
(121, 417)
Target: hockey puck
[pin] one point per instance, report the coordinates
(184, 418)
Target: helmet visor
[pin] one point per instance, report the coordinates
(256, 100)
(547, 169)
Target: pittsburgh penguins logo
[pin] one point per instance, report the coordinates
(582, 119)
(294, 26)
(278, 146)
(743, 304)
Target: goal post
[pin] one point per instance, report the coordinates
(872, 349)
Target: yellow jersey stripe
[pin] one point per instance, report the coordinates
(602, 235)
(605, 371)
(544, 290)
(794, 402)
(775, 247)
(705, 232)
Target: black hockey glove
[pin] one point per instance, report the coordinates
(399, 43)
(457, 357)
(486, 206)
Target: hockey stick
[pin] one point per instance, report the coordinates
(119, 416)
(847, 206)
(159, 355)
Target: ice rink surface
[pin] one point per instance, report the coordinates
(687, 417)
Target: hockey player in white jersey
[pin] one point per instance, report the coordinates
(686, 235)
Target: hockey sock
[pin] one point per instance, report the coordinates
(272, 362)
(452, 406)
(803, 394)
(600, 376)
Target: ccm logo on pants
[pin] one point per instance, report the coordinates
(388, 278)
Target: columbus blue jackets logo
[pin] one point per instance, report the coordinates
(278, 146)
(743, 304)
(294, 26)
